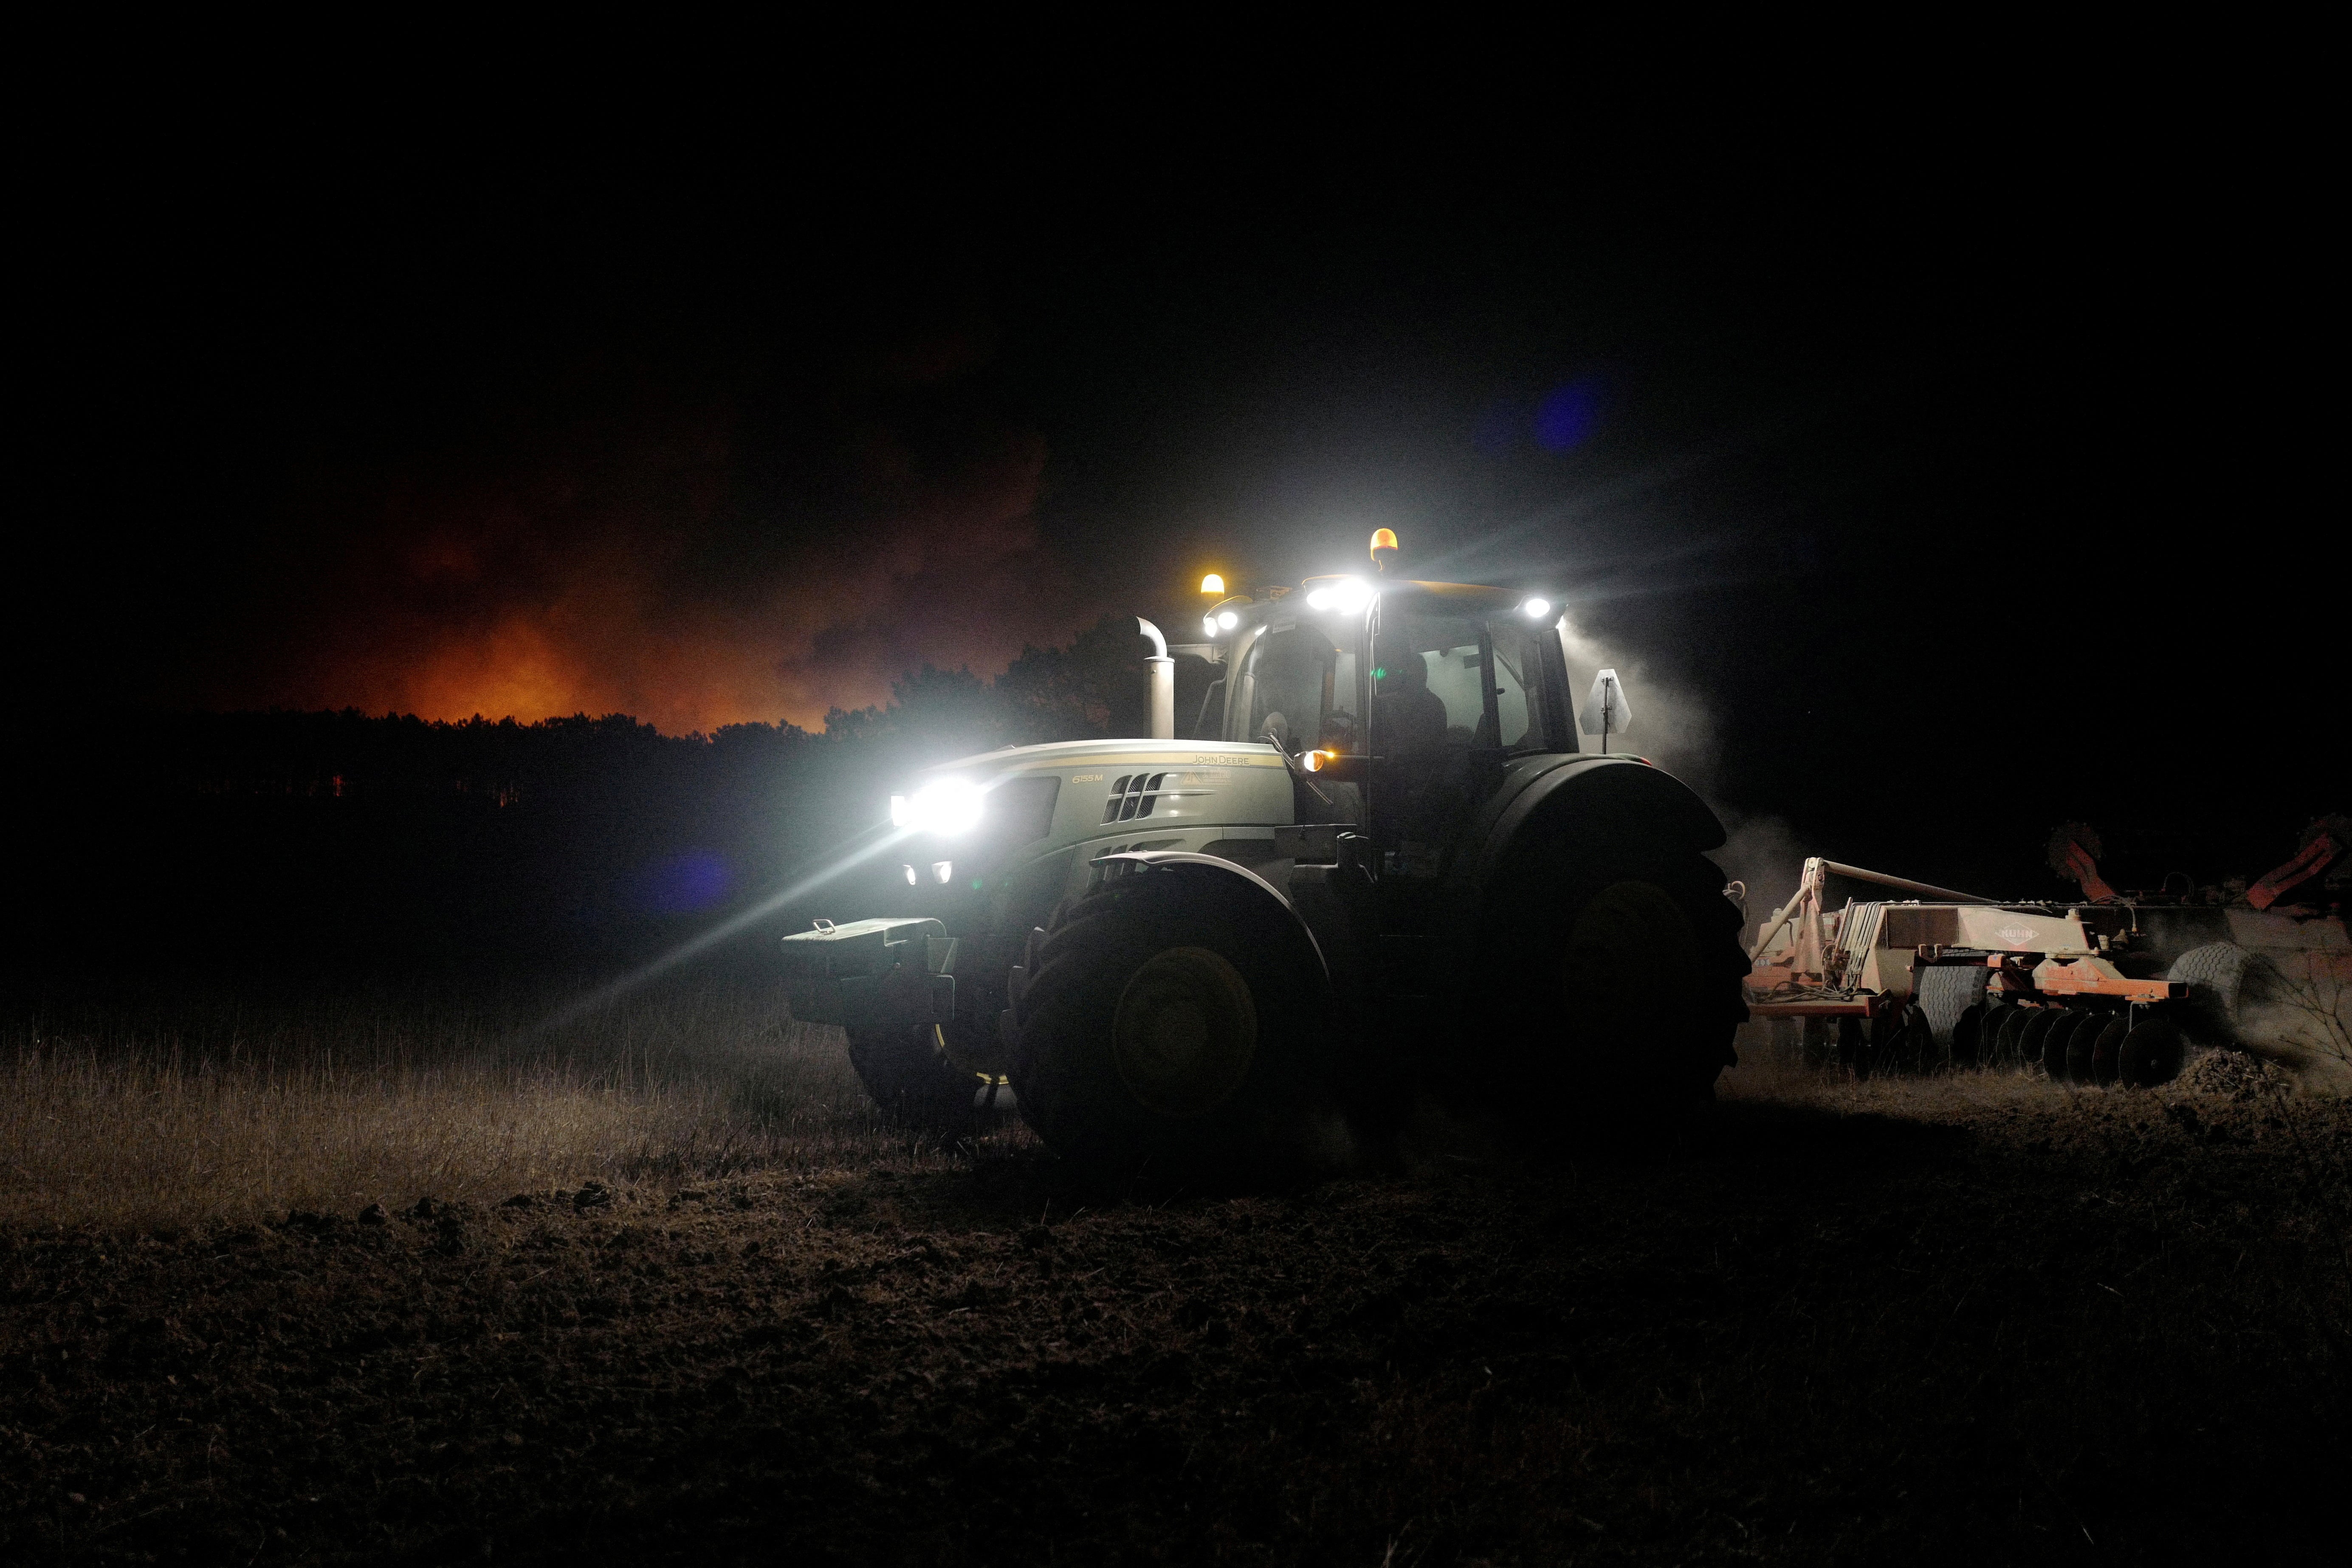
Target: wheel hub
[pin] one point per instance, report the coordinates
(1630, 962)
(1184, 1033)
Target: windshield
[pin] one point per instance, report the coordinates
(1304, 687)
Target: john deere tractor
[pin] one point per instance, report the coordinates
(1380, 865)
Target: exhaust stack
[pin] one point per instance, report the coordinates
(1163, 683)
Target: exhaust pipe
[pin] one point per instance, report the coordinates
(1163, 683)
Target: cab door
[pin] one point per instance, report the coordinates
(1302, 681)
(1454, 696)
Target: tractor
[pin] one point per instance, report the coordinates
(1378, 865)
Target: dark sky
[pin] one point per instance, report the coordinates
(1966, 483)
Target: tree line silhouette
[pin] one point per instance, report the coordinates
(349, 839)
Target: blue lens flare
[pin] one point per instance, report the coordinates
(1569, 415)
(686, 884)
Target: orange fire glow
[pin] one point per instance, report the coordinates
(537, 603)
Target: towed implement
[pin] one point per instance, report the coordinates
(1380, 862)
(2113, 988)
(1948, 979)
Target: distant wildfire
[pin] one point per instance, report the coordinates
(640, 583)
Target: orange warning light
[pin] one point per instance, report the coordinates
(1212, 584)
(1384, 547)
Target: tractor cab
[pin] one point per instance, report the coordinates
(1398, 705)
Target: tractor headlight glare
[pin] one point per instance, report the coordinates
(1536, 609)
(946, 805)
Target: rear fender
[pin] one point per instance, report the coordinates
(1595, 797)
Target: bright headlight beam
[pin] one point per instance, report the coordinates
(1536, 609)
(852, 855)
(943, 805)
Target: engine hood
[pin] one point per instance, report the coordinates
(1063, 755)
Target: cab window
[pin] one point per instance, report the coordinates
(1429, 680)
(1303, 685)
(1518, 684)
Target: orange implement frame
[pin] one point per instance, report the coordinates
(2315, 858)
(2083, 978)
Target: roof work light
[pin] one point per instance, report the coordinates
(1347, 596)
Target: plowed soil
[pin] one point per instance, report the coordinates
(1914, 1323)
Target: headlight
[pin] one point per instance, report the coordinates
(1536, 609)
(947, 806)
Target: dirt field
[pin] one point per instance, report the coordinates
(1970, 1321)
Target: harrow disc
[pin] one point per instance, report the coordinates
(2152, 1053)
(2033, 1037)
(2107, 1052)
(2010, 1045)
(2053, 1045)
(2079, 1041)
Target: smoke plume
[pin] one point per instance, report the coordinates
(654, 580)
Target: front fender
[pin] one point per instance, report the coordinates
(1259, 887)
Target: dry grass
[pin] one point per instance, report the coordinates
(185, 1109)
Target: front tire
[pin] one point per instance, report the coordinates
(1170, 1019)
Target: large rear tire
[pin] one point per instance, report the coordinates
(1967, 1036)
(1169, 1020)
(1617, 985)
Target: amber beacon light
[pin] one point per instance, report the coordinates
(1212, 584)
(1384, 547)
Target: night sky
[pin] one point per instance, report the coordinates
(1945, 491)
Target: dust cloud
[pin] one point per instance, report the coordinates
(1674, 729)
